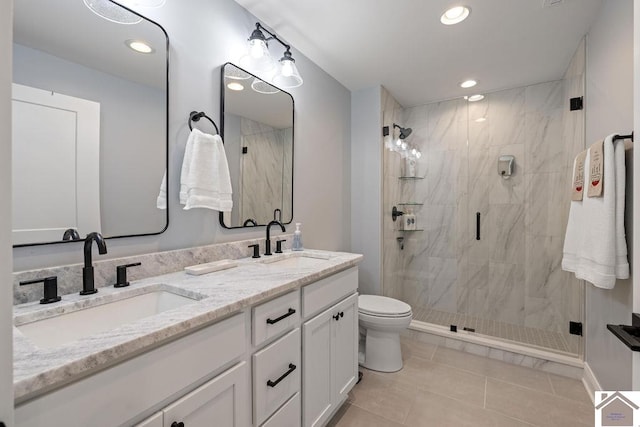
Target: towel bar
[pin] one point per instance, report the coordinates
(195, 116)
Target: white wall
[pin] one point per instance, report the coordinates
(366, 186)
(609, 109)
(203, 36)
(6, 347)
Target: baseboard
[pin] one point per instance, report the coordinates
(590, 381)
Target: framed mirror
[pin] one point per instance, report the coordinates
(89, 110)
(257, 126)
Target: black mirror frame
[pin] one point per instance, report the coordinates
(293, 138)
(166, 147)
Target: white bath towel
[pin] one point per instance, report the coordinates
(204, 180)
(161, 201)
(595, 247)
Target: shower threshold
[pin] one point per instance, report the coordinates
(537, 339)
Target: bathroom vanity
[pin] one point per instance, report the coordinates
(271, 342)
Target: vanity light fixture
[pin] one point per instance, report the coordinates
(139, 46)
(475, 98)
(468, 83)
(112, 12)
(455, 15)
(235, 86)
(286, 73)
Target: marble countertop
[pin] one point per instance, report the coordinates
(216, 295)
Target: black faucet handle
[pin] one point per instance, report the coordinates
(256, 250)
(50, 288)
(279, 245)
(121, 274)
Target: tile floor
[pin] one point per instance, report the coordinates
(548, 340)
(442, 387)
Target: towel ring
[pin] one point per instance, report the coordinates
(195, 116)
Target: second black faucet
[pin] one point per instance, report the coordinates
(88, 286)
(267, 245)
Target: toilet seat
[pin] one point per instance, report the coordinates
(379, 306)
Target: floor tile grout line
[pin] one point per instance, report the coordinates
(486, 382)
(555, 396)
(553, 389)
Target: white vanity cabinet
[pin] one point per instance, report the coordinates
(330, 347)
(220, 402)
(117, 395)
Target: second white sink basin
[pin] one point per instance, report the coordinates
(297, 260)
(67, 327)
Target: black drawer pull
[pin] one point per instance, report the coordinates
(177, 424)
(477, 225)
(292, 368)
(284, 316)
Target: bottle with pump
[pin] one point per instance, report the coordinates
(297, 239)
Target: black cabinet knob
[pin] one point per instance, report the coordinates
(177, 424)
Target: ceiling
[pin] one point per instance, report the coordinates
(69, 30)
(401, 44)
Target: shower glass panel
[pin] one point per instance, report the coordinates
(487, 251)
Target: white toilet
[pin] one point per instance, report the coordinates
(381, 320)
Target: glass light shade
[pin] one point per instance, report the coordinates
(263, 66)
(475, 98)
(288, 75)
(112, 12)
(258, 48)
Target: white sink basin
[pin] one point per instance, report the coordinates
(63, 328)
(298, 260)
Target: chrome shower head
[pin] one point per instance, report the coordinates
(404, 132)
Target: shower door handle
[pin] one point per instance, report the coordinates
(477, 225)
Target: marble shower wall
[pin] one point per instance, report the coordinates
(513, 273)
(262, 179)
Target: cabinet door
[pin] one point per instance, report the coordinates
(316, 369)
(223, 401)
(345, 349)
(153, 421)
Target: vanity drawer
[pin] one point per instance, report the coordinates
(324, 293)
(275, 317)
(276, 375)
(287, 416)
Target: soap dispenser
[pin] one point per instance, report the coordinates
(297, 239)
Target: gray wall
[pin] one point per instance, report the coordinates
(609, 109)
(199, 44)
(127, 141)
(6, 345)
(366, 186)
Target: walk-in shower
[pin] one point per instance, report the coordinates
(485, 254)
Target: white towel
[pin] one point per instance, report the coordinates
(595, 248)
(161, 202)
(205, 180)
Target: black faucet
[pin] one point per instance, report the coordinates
(71, 234)
(267, 246)
(88, 287)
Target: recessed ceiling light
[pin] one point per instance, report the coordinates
(455, 15)
(468, 83)
(481, 119)
(139, 46)
(235, 86)
(474, 98)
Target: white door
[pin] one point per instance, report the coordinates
(316, 369)
(345, 350)
(224, 401)
(55, 166)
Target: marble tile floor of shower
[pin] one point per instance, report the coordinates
(442, 387)
(547, 340)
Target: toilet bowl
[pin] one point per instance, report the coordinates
(381, 320)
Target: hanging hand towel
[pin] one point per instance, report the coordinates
(595, 248)
(205, 181)
(161, 201)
